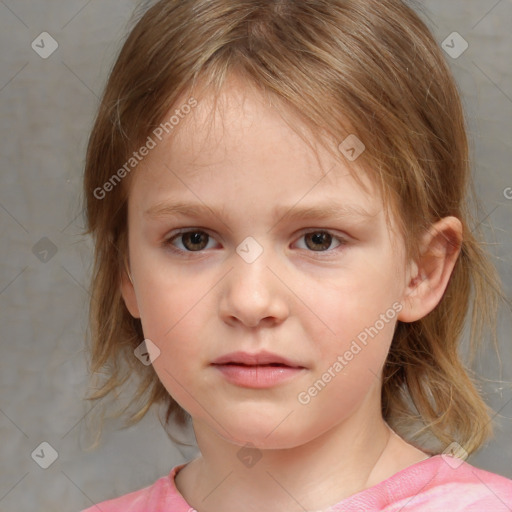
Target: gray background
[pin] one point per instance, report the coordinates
(46, 110)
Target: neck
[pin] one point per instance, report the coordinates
(356, 454)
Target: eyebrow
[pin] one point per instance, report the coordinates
(329, 210)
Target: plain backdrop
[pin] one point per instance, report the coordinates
(47, 106)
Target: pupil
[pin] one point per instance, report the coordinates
(195, 240)
(320, 238)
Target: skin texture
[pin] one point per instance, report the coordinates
(298, 299)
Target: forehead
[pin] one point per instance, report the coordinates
(242, 131)
(237, 156)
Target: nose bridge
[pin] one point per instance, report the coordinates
(257, 272)
(250, 266)
(252, 292)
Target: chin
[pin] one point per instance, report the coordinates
(264, 435)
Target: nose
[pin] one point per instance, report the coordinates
(252, 294)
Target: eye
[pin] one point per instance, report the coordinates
(320, 241)
(192, 241)
(196, 240)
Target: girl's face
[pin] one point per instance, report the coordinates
(269, 250)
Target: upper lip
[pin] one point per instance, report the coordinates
(260, 358)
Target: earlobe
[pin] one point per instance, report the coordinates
(128, 293)
(428, 278)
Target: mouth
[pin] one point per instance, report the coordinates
(259, 365)
(260, 359)
(258, 376)
(257, 370)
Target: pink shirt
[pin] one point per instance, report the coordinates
(439, 483)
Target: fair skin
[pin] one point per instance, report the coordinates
(299, 298)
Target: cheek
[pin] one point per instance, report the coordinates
(355, 318)
(169, 315)
(182, 355)
(352, 302)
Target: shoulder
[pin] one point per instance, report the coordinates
(446, 480)
(161, 495)
(477, 489)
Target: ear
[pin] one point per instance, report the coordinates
(428, 278)
(128, 292)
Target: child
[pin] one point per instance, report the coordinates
(278, 195)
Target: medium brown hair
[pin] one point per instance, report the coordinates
(368, 67)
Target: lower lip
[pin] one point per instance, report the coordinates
(257, 376)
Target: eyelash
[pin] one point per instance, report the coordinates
(167, 242)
